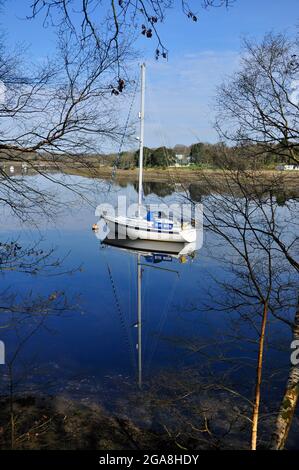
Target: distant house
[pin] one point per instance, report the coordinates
(181, 160)
(287, 167)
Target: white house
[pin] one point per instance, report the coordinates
(181, 160)
(287, 167)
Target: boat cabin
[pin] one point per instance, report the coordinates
(159, 219)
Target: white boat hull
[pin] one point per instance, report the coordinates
(121, 228)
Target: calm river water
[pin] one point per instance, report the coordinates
(72, 328)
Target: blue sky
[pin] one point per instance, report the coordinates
(180, 92)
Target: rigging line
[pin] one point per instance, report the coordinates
(148, 336)
(173, 175)
(161, 324)
(160, 327)
(163, 141)
(130, 289)
(145, 306)
(128, 336)
(117, 159)
(132, 294)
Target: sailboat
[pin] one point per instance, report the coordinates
(154, 225)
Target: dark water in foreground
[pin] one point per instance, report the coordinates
(72, 328)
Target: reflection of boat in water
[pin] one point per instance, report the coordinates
(153, 247)
(149, 254)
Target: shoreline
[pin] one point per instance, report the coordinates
(171, 175)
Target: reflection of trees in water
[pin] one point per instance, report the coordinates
(259, 248)
(284, 195)
(123, 183)
(196, 192)
(21, 318)
(205, 406)
(264, 239)
(208, 405)
(206, 409)
(157, 188)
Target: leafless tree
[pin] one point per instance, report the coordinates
(91, 20)
(55, 113)
(23, 316)
(290, 398)
(258, 108)
(258, 114)
(243, 212)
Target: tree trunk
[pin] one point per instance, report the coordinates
(259, 369)
(289, 401)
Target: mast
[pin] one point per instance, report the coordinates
(139, 320)
(141, 138)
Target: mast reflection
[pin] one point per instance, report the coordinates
(148, 255)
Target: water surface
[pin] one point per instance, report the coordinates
(87, 342)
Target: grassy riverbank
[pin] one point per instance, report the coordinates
(288, 180)
(174, 175)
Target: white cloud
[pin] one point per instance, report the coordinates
(180, 96)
